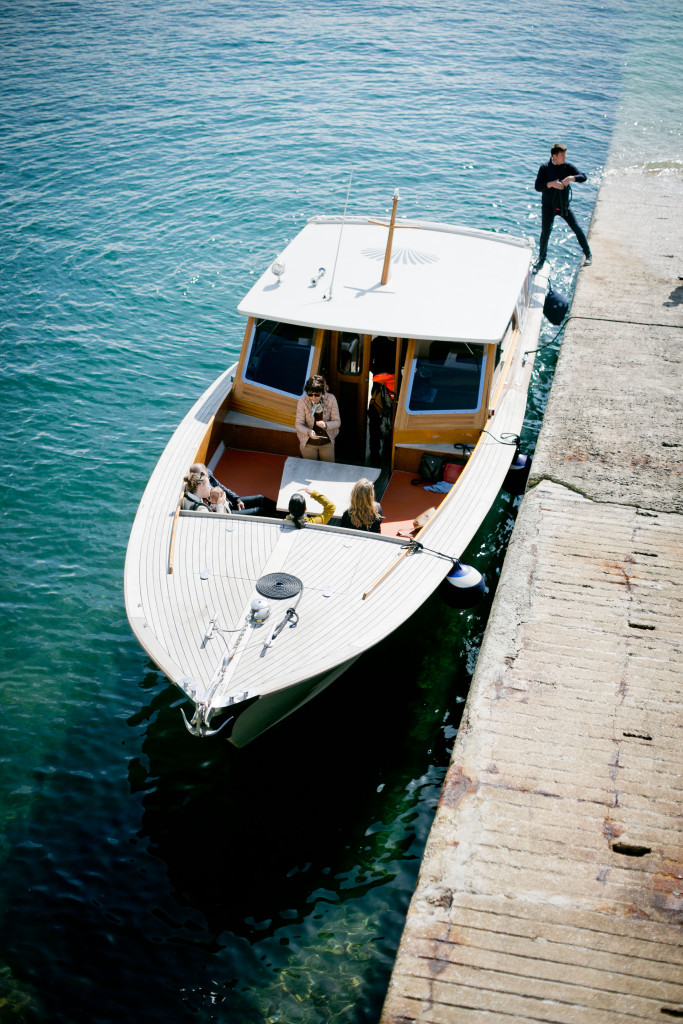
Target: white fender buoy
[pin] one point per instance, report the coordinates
(464, 586)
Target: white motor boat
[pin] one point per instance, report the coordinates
(236, 609)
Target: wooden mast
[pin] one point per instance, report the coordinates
(387, 255)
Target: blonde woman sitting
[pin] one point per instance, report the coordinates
(363, 513)
(197, 491)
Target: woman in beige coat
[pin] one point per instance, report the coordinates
(317, 420)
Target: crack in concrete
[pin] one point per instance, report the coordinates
(534, 482)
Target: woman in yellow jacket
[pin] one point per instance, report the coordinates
(297, 508)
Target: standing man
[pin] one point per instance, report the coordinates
(553, 182)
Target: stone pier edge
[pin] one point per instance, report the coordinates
(551, 887)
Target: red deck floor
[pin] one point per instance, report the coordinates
(247, 472)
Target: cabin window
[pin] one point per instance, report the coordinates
(349, 354)
(446, 376)
(280, 357)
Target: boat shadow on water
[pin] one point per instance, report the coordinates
(248, 835)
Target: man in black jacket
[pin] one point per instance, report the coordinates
(553, 182)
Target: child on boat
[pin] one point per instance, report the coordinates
(217, 502)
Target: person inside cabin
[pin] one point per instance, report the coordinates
(247, 505)
(297, 508)
(197, 491)
(218, 502)
(364, 512)
(317, 420)
(380, 409)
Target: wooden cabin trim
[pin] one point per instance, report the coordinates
(318, 353)
(243, 353)
(351, 391)
(251, 402)
(260, 402)
(204, 447)
(238, 419)
(432, 428)
(335, 374)
(440, 433)
(406, 457)
(261, 439)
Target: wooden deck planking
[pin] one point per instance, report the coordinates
(613, 997)
(174, 622)
(610, 978)
(310, 552)
(326, 624)
(190, 601)
(238, 546)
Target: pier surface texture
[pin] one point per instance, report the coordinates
(552, 883)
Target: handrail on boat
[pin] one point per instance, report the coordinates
(407, 550)
(173, 528)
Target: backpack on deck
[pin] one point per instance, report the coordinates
(430, 469)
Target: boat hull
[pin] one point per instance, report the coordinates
(268, 711)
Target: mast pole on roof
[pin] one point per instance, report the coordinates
(387, 255)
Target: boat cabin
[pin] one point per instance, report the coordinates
(434, 337)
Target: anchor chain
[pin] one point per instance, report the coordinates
(276, 585)
(199, 724)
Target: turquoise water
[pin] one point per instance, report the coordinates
(153, 158)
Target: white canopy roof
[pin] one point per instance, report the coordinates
(445, 283)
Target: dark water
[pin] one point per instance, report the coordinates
(153, 158)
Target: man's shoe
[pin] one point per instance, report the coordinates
(537, 266)
(588, 260)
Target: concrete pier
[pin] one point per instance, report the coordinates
(552, 883)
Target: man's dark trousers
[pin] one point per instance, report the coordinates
(548, 215)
